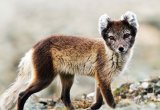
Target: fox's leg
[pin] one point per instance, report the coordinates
(37, 86)
(67, 81)
(98, 99)
(42, 76)
(105, 88)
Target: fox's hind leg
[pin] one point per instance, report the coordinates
(42, 76)
(67, 81)
(37, 86)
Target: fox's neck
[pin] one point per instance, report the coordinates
(117, 62)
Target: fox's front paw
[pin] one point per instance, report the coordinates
(95, 106)
(113, 105)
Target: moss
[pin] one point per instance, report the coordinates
(122, 89)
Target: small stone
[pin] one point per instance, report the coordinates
(158, 84)
(158, 97)
(91, 95)
(145, 85)
(134, 87)
(145, 97)
(84, 96)
(150, 95)
(51, 103)
(137, 98)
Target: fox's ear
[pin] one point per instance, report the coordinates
(131, 18)
(103, 22)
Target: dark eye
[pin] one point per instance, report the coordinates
(126, 36)
(111, 38)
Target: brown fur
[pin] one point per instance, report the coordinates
(68, 55)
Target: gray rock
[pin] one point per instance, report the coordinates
(150, 95)
(145, 97)
(138, 98)
(134, 87)
(158, 84)
(157, 91)
(145, 85)
(158, 97)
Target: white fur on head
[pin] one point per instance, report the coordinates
(103, 22)
(131, 18)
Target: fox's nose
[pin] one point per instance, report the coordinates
(121, 49)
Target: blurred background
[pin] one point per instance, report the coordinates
(24, 22)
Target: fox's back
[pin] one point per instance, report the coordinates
(73, 54)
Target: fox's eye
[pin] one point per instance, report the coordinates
(111, 38)
(126, 36)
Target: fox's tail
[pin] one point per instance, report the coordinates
(9, 98)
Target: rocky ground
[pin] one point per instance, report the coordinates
(142, 95)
